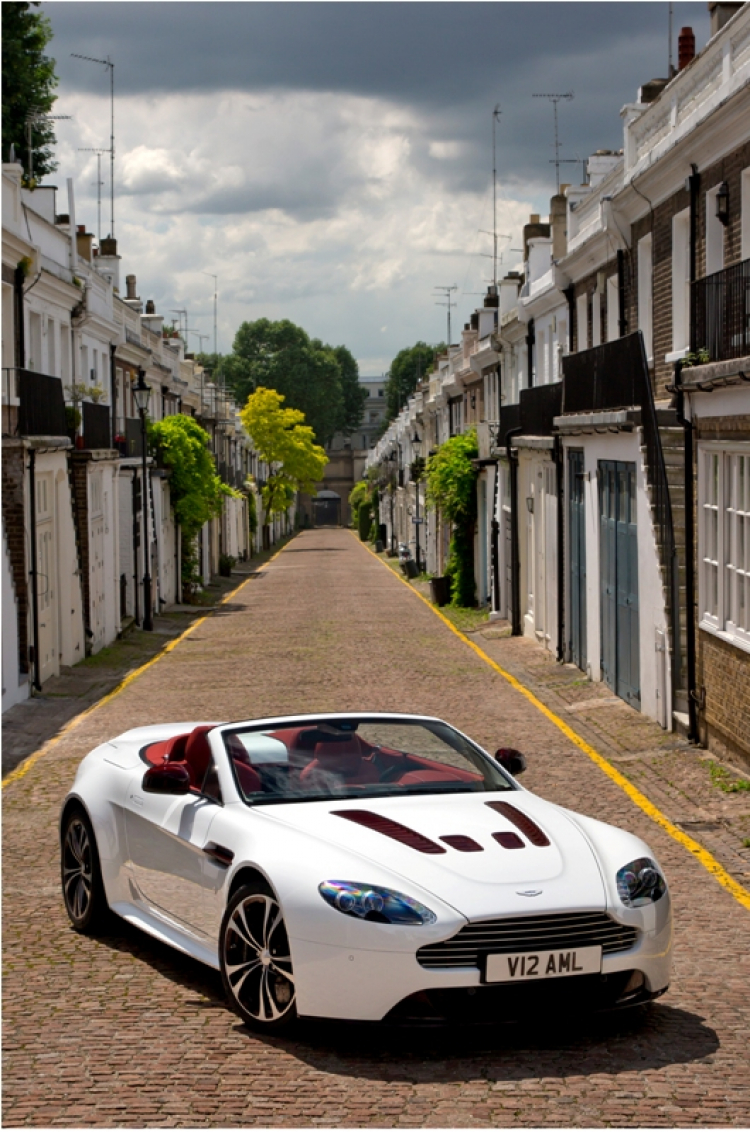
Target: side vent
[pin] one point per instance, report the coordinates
(390, 828)
(508, 840)
(521, 821)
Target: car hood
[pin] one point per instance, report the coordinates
(561, 873)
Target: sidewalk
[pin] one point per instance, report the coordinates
(707, 798)
(26, 726)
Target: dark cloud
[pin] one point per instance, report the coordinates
(450, 62)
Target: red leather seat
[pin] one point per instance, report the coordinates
(344, 759)
(196, 755)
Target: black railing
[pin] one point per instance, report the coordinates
(603, 378)
(41, 404)
(96, 426)
(133, 437)
(720, 313)
(539, 407)
(510, 421)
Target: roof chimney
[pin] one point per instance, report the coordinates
(150, 308)
(130, 285)
(721, 12)
(685, 48)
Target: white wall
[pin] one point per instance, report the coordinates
(15, 688)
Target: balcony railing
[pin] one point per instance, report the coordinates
(605, 377)
(720, 313)
(96, 426)
(40, 401)
(539, 407)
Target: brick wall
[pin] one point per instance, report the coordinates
(15, 528)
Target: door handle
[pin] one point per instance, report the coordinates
(219, 853)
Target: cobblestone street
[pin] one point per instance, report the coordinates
(122, 1031)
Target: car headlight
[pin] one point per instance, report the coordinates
(368, 902)
(640, 883)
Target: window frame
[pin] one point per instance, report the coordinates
(720, 521)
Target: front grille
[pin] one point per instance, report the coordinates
(528, 933)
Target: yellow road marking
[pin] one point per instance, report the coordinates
(742, 895)
(24, 767)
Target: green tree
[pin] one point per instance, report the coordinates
(286, 444)
(196, 491)
(28, 82)
(281, 356)
(407, 368)
(452, 491)
(354, 395)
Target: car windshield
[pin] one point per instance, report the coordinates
(320, 759)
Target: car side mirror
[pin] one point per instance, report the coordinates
(169, 778)
(511, 760)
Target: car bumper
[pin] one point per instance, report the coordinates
(368, 985)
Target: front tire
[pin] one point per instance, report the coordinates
(82, 885)
(256, 962)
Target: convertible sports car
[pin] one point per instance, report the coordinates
(362, 867)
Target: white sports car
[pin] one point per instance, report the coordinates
(363, 867)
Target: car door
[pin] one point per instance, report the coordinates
(169, 845)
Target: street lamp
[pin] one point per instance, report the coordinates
(416, 444)
(141, 394)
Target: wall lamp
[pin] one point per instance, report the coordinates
(722, 203)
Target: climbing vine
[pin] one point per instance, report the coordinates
(451, 490)
(196, 491)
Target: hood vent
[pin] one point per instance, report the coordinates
(521, 821)
(390, 828)
(461, 842)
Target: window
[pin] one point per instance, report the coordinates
(714, 234)
(645, 294)
(724, 541)
(681, 281)
(582, 321)
(613, 309)
(596, 319)
(744, 214)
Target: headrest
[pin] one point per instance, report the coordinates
(198, 752)
(339, 750)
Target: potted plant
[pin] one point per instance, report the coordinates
(226, 562)
(73, 421)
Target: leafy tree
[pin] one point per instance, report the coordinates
(196, 491)
(452, 490)
(286, 444)
(28, 82)
(407, 368)
(281, 356)
(354, 395)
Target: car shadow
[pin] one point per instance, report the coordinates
(641, 1038)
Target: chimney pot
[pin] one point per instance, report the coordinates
(150, 308)
(130, 285)
(685, 48)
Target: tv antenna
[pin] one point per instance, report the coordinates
(449, 304)
(554, 99)
(99, 183)
(495, 119)
(215, 279)
(32, 120)
(107, 63)
(181, 311)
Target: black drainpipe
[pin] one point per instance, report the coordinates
(495, 535)
(622, 322)
(33, 571)
(693, 733)
(514, 554)
(135, 547)
(557, 456)
(569, 294)
(530, 340)
(18, 279)
(113, 394)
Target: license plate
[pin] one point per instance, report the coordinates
(524, 965)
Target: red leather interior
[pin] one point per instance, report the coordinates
(248, 779)
(168, 749)
(345, 758)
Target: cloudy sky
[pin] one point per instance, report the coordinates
(331, 163)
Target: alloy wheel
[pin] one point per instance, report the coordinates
(256, 959)
(77, 870)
